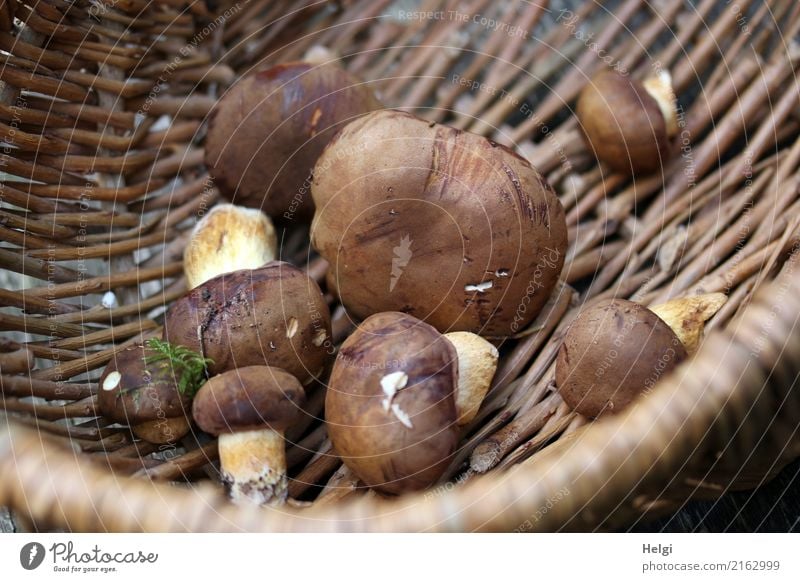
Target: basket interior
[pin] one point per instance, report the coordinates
(103, 108)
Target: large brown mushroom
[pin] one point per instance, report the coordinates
(249, 409)
(275, 315)
(150, 387)
(398, 392)
(267, 131)
(617, 349)
(444, 225)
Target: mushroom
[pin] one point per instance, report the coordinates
(274, 315)
(441, 224)
(617, 349)
(629, 124)
(150, 387)
(398, 392)
(249, 409)
(227, 239)
(267, 131)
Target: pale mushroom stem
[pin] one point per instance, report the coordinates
(660, 88)
(253, 466)
(687, 316)
(477, 363)
(227, 239)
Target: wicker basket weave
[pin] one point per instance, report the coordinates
(101, 110)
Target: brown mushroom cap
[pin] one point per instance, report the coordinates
(613, 351)
(139, 386)
(275, 315)
(445, 225)
(623, 123)
(373, 436)
(249, 398)
(267, 131)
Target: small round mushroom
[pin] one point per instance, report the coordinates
(629, 124)
(441, 224)
(274, 315)
(267, 131)
(150, 387)
(249, 409)
(617, 349)
(398, 392)
(227, 239)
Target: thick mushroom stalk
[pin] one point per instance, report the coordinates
(477, 363)
(687, 316)
(227, 239)
(249, 409)
(254, 466)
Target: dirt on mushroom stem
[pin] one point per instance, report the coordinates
(249, 409)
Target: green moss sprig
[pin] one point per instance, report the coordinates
(189, 367)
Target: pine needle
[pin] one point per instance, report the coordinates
(189, 367)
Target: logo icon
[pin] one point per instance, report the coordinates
(31, 555)
(402, 255)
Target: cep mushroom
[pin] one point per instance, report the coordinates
(267, 131)
(617, 349)
(227, 239)
(629, 124)
(441, 224)
(249, 409)
(398, 393)
(150, 388)
(274, 315)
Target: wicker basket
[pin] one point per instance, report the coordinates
(102, 107)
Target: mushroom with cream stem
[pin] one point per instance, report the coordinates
(227, 239)
(442, 224)
(249, 409)
(397, 395)
(268, 129)
(275, 315)
(629, 124)
(617, 349)
(150, 388)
